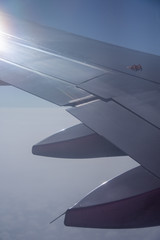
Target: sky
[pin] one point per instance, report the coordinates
(36, 189)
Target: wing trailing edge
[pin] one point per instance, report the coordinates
(132, 134)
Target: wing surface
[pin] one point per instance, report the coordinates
(67, 69)
(129, 132)
(112, 90)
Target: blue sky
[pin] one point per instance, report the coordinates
(133, 24)
(35, 189)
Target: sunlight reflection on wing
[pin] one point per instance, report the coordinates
(3, 35)
(3, 42)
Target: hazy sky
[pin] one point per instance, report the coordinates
(36, 189)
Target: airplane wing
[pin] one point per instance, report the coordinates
(115, 93)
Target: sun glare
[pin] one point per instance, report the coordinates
(3, 44)
(3, 36)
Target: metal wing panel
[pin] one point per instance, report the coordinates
(113, 84)
(46, 62)
(48, 88)
(132, 134)
(84, 49)
(146, 105)
(138, 95)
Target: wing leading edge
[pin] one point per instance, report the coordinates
(119, 109)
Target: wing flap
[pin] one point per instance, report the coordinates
(113, 84)
(48, 88)
(145, 104)
(132, 134)
(138, 95)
